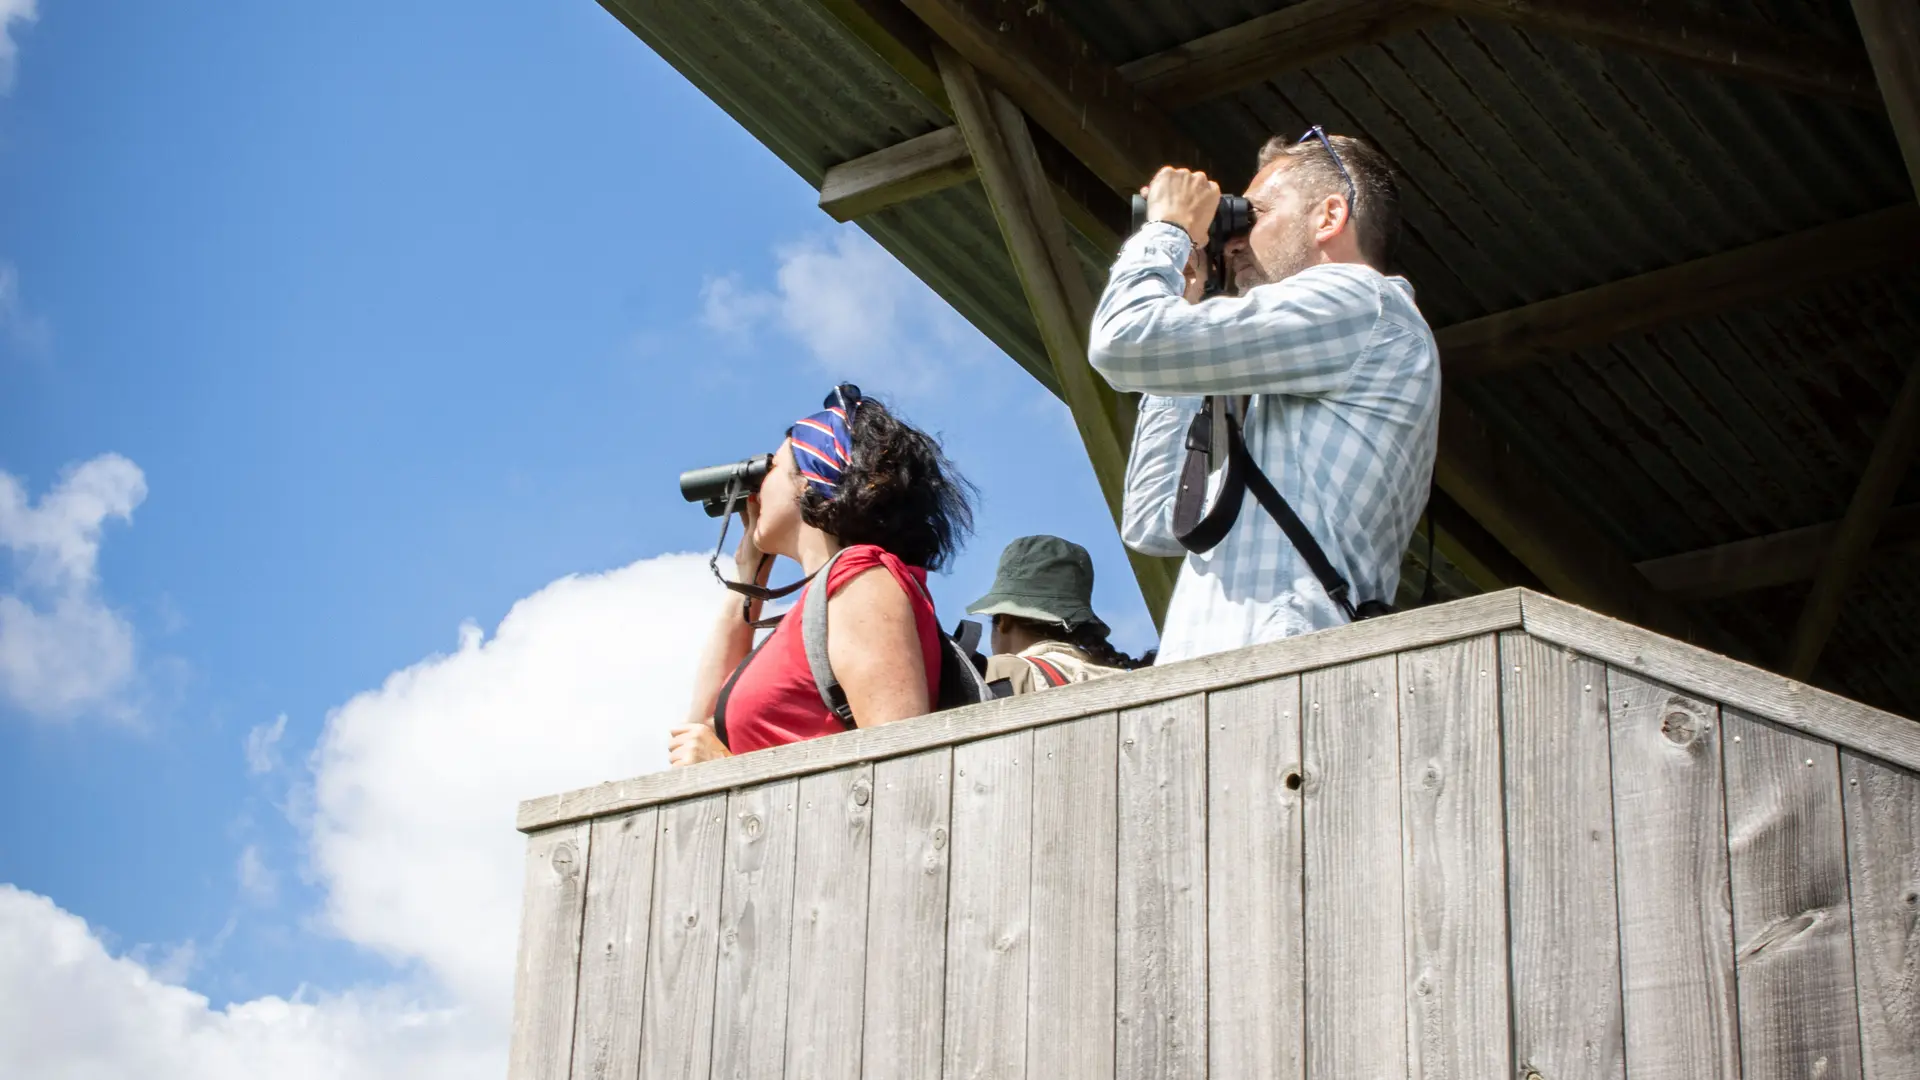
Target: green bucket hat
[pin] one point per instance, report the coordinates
(1043, 578)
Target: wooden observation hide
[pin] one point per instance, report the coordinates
(1498, 837)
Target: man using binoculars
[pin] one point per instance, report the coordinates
(1311, 383)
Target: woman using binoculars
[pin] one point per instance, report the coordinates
(875, 502)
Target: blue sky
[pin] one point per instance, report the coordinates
(397, 313)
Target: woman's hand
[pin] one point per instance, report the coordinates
(748, 556)
(693, 743)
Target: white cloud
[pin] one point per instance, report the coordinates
(11, 11)
(75, 1012)
(411, 829)
(858, 313)
(62, 650)
(263, 746)
(24, 331)
(257, 883)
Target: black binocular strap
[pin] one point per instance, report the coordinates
(1242, 474)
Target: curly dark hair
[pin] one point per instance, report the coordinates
(898, 491)
(1087, 637)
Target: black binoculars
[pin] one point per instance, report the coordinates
(1234, 217)
(722, 488)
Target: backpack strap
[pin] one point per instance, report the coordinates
(1053, 675)
(813, 631)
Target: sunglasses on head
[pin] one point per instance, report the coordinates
(1316, 132)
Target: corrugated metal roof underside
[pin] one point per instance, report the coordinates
(1532, 166)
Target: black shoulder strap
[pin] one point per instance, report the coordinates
(1242, 474)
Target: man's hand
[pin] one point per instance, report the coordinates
(1185, 198)
(693, 743)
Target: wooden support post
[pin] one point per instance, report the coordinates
(1891, 29)
(1056, 289)
(1707, 286)
(1730, 47)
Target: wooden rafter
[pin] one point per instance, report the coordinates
(1762, 562)
(920, 166)
(1064, 85)
(1267, 45)
(1055, 287)
(1735, 48)
(1891, 29)
(1706, 286)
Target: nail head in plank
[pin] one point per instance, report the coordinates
(756, 912)
(1456, 888)
(1355, 929)
(1676, 918)
(1255, 953)
(613, 946)
(907, 917)
(1374, 637)
(676, 1021)
(830, 924)
(1070, 998)
(1792, 937)
(986, 1019)
(1882, 805)
(548, 967)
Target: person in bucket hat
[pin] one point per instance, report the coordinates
(1045, 633)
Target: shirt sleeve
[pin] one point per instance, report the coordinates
(1153, 474)
(1304, 336)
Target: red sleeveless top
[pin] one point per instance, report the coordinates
(773, 699)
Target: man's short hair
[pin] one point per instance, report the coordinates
(1376, 213)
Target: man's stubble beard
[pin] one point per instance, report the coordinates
(1294, 254)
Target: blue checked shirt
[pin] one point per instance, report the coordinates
(1344, 417)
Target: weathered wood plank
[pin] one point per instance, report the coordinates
(1775, 559)
(1882, 806)
(1792, 934)
(548, 968)
(830, 925)
(756, 914)
(1161, 959)
(906, 170)
(1256, 973)
(1070, 984)
(987, 918)
(1374, 637)
(1456, 887)
(907, 917)
(1676, 918)
(1709, 675)
(1560, 864)
(1355, 929)
(676, 1020)
(613, 947)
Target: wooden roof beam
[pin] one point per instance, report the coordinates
(1891, 29)
(1267, 45)
(1035, 57)
(1737, 48)
(1707, 286)
(1762, 562)
(1056, 289)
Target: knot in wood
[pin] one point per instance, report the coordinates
(939, 839)
(1681, 728)
(563, 859)
(1430, 776)
(862, 793)
(1291, 779)
(751, 825)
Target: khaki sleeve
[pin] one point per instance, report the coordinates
(1017, 672)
